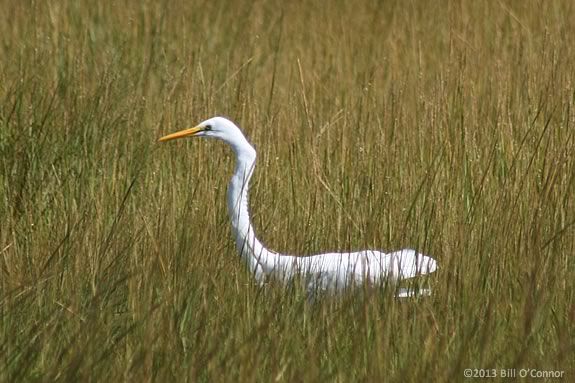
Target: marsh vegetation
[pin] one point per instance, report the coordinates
(448, 127)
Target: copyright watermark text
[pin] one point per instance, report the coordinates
(513, 373)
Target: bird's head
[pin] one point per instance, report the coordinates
(215, 127)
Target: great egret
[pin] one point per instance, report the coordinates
(331, 272)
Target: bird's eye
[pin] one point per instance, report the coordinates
(207, 128)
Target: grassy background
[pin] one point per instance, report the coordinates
(444, 126)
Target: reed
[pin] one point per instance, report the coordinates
(444, 126)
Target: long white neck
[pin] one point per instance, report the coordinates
(259, 259)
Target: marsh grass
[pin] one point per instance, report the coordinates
(445, 126)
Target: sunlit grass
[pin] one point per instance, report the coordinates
(446, 127)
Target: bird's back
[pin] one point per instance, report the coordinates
(336, 271)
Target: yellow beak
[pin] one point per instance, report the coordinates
(182, 133)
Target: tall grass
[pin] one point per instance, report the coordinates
(444, 126)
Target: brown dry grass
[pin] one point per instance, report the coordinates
(445, 126)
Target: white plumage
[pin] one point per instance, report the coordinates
(330, 272)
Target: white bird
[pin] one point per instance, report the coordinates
(329, 272)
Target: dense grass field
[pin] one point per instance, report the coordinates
(444, 126)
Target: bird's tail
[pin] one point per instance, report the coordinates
(408, 263)
(408, 292)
